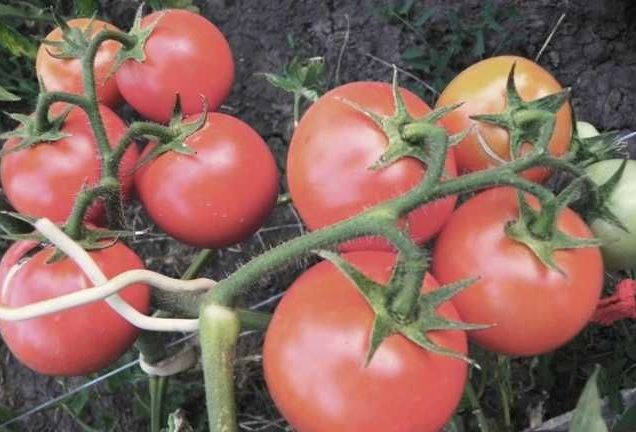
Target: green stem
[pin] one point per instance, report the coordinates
(408, 275)
(219, 330)
(46, 99)
(473, 399)
(90, 90)
(137, 130)
(158, 387)
(201, 260)
(251, 320)
(82, 203)
(503, 386)
(370, 222)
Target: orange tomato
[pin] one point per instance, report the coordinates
(482, 89)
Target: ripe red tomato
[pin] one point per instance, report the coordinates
(76, 341)
(218, 196)
(66, 74)
(315, 352)
(186, 55)
(331, 152)
(534, 309)
(43, 180)
(482, 89)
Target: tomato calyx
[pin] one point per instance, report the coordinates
(526, 121)
(91, 238)
(423, 320)
(537, 229)
(31, 133)
(75, 41)
(406, 135)
(136, 51)
(178, 131)
(586, 150)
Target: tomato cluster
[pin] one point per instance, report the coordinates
(218, 194)
(210, 181)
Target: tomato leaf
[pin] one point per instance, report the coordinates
(15, 43)
(173, 4)
(7, 96)
(587, 415)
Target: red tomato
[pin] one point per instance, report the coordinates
(482, 89)
(186, 55)
(315, 352)
(218, 196)
(43, 180)
(66, 74)
(76, 341)
(534, 309)
(331, 152)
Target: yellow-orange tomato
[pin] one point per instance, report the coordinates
(482, 89)
(66, 74)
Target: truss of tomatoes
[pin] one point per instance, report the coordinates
(224, 189)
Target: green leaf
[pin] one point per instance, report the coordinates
(587, 415)
(86, 8)
(7, 96)
(15, 43)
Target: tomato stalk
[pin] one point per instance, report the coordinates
(219, 330)
(372, 222)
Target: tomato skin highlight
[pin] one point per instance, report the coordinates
(315, 352)
(619, 249)
(534, 309)
(186, 55)
(218, 196)
(331, 152)
(77, 341)
(44, 180)
(482, 89)
(66, 74)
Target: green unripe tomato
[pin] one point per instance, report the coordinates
(585, 129)
(619, 251)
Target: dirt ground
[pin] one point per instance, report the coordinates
(593, 51)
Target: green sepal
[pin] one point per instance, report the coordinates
(532, 121)
(75, 41)
(401, 145)
(537, 229)
(180, 132)
(425, 320)
(607, 145)
(137, 51)
(30, 136)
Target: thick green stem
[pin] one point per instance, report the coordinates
(46, 99)
(137, 130)
(90, 90)
(82, 204)
(408, 276)
(370, 222)
(158, 387)
(219, 330)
